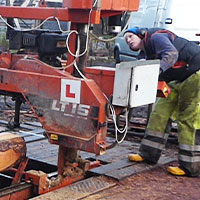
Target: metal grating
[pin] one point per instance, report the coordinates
(79, 190)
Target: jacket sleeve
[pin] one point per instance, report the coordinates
(165, 50)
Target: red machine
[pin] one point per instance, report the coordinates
(72, 109)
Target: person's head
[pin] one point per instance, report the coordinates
(133, 38)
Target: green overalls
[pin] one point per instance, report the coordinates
(185, 100)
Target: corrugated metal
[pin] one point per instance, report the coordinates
(79, 190)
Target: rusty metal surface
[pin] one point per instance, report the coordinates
(81, 117)
(79, 190)
(22, 190)
(20, 171)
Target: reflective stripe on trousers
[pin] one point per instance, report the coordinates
(188, 153)
(152, 145)
(189, 159)
(184, 105)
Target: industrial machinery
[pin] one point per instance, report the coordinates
(47, 69)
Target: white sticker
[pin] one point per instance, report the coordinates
(70, 91)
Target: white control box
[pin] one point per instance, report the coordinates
(136, 83)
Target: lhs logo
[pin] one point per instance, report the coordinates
(70, 91)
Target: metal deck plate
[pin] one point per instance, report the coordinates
(124, 168)
(78, 190)
(135, 168)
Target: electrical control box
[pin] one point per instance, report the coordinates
(136, 83)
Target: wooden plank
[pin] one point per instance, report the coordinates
(42, 145)
(43, 151)
(36, 124)
(39, 146)
(2, 129)
(24, 126)
(53, 160)
(33, 139)
(29, 127)
(36, 132)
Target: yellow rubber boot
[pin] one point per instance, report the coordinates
(176, 171)
(135, 157)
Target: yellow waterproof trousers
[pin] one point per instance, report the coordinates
(184, 100)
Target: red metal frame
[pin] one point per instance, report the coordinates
(33, 79)
(111, 5)
(74, 11)
(20, 171)
(24, 193)
(80, 124)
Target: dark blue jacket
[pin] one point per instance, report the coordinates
(170, 49)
